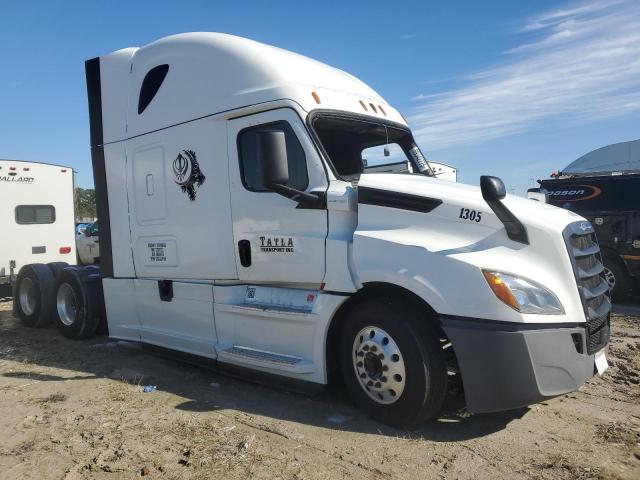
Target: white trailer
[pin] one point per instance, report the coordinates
(442, 171)
(37, 217)
(237, 227)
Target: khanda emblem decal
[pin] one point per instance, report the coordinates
(187, 173)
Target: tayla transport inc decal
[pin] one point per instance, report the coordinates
(277, 244)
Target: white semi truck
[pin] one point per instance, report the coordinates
(237, 227)
(37, 218)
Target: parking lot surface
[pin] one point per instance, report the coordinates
(78, 410)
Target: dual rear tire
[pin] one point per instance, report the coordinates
(77, 313)
(33, 298)
(70, 297)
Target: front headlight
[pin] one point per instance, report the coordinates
(523, 295)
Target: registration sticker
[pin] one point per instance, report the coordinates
(601, 361)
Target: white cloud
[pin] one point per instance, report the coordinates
(408, 36)
(579, 64)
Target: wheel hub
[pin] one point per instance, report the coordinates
(379, 365)
(610, 278)
(67, 304)
(373, 365)
(27, 297)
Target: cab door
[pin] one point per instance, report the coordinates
(276, 239)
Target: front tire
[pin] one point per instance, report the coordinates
(392, 363)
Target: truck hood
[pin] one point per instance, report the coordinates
(455, 195)
(439, 251)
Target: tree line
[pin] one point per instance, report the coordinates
(85, 202)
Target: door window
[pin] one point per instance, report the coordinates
(250, 166)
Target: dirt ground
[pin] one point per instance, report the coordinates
(77, 410)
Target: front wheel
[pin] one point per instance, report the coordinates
(392, 363)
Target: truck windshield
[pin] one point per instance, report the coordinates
(355, 145)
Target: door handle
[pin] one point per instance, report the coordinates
(244, 251)
(165, 290)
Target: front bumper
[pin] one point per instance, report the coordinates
(510, 365)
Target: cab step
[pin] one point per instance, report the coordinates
(246, 355)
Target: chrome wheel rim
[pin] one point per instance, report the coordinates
(67, 304)
(610, 278)
(28, 296)
(378, 365)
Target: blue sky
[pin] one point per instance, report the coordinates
(515, 89)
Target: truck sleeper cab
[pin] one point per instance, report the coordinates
(237, 226)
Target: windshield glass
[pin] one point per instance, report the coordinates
(355, 145)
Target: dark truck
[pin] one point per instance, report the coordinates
(610, 200)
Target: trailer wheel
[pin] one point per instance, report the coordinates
(77, 312)
(392, 363)
(34, 295)
(57, 267)
(617, 278)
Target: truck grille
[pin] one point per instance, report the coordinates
(589, 273)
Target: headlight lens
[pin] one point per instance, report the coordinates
(523, 295)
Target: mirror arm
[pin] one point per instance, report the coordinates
(304, 198)
(516, 231)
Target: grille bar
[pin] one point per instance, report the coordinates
(593, 293)
(586, 252)
(601, 311)
(592, 272)
(593, 289)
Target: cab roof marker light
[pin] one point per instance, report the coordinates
(26, 169)
(12, 168)
(382, 110)
(364, 106)
(316, 97)
(373, 107)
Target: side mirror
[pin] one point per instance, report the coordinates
(492, 188)
(87, 232)
(271, 150)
